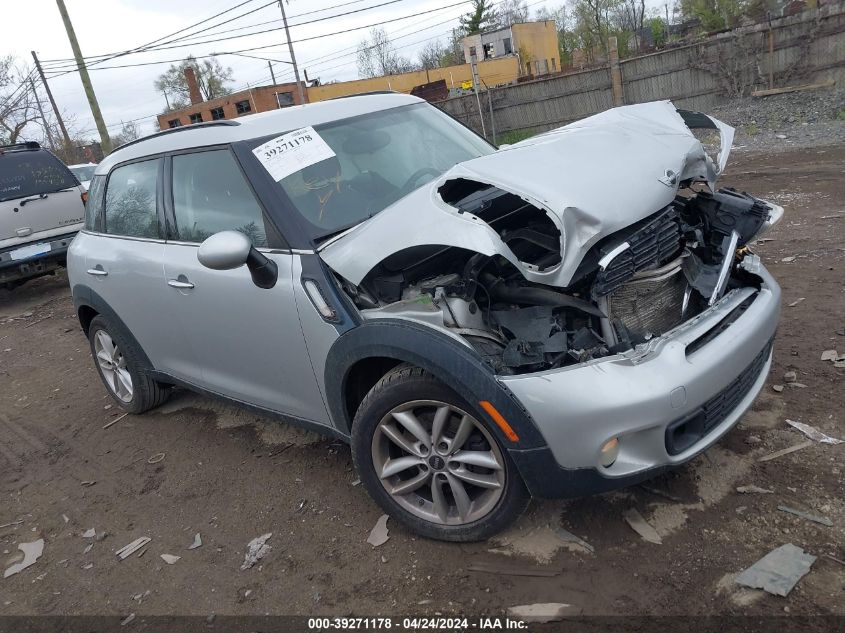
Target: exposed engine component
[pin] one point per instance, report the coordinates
(636, 284)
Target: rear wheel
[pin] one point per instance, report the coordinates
(427, 458)
(120, 369)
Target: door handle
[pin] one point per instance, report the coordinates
(181, 282)
(98, 271)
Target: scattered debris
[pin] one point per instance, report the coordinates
(127, 619)
(28, 325)
(778, 571)
(834, 559)
(88, 548)
(357, 482)
(796, 302)
(790, 376)
(815, 518)
(777, 388)
(813, 433)
(830, 354)
(779, 91)
(791, 258)
(170, 559)
(785, 451)
(197, 541)
(378, 535)
(301, 505)
(798, 385)
(752, 489)
(115, 421)
(660, 493)
(569, 537)
(5, 525)
(88, 566)
(127, 550)
(155, 459)
(64, 516)
(641, 526)
(543, 611)
(90, 533)
(31, 553)
(515, 569)
(87, 484)
(256, 550)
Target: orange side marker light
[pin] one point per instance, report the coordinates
(499, 420)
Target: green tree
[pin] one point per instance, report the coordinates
(481, 17)
(212, 78)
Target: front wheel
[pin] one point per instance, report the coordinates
(429, 461)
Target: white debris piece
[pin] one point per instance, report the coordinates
(197, 541)
(830, 354)
(89, 533)
(131, 548)
(752, 489)
(642, 527)
(170, 559)
(778, 571)
(31, 553)
(815, 518)
(378, 535)
(813, 433)
(542, 611)
(256, 550)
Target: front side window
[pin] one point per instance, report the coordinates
(210, 195)
(30, 173)
(131, 200)
(378, 159)
(243, 107)
(83, 172)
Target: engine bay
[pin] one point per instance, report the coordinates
(630, 287)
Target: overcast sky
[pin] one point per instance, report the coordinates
(107, 26)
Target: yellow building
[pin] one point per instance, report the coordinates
(493, 72)
(535, 44)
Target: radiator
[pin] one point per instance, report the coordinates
(651, 302)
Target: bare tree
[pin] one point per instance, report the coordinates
(512, 12)
(129, 131)
(17, 101)
(212, 78)
(431, 55)
(378, 57)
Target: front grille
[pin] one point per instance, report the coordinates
(650, 245)
(682, 434)
(651, 303)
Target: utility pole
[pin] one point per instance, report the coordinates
(292, 56)
(272, 74)
(43, 118)
(105, 141)
(52, 101)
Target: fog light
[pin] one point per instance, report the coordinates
(609, 452)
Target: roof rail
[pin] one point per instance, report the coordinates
(181, 128)
(367, 94)
(20, 146)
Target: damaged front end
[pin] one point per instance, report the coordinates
(555, 252)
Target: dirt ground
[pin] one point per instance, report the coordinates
(232, 476)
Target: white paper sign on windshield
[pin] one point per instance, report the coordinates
(288, 153)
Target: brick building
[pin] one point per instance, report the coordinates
(258, 99)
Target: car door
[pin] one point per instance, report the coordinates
(124, 249)
(247, 340)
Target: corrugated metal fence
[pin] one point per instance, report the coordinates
(808, 47)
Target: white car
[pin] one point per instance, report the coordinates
(83, 173)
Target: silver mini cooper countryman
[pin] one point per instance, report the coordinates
(564, 316)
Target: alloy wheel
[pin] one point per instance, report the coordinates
(438, 462)
(112, 364)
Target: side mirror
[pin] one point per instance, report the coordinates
(228, 250)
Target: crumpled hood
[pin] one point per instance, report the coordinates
(593, 178)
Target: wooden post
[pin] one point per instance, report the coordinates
(771, 57)
(615, 72)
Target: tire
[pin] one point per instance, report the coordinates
(123, 374)
(459, 484)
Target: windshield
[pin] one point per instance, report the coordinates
(378, 159)
(83, 172)
(31, 172)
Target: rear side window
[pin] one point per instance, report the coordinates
(131, 200)
(210, 195)
(94, 206)
(29, 173)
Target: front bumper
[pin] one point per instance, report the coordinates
(666, 402)
(40, 264)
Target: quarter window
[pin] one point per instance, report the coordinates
(210, 195)
(243, 107)
(131, 200)
(94, 206)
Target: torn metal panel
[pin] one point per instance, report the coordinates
(565, 173)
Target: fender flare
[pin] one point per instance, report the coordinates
(86, 296)
(455, 364)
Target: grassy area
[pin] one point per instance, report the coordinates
(514, 136)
